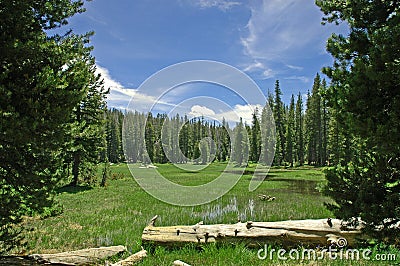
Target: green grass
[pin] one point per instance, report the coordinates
(117, 214)
(240, 255)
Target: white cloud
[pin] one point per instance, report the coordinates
(223, 5)
(279, 28)
(232, 116)
(280, 33)
(122, 98)
(301, 78)
(108, 81)
(198, 110)
(211, 108)
(115, 86)
(257, 66)
(299, 68)
(268, 73)
(243, 111)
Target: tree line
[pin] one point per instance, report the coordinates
(303, 133)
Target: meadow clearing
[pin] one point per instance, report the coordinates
(117, 214)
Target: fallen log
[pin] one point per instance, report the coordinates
(180, 263)
(131, 260)
(87, 256)
(290, 233)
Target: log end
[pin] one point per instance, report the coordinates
(180, 263)
(153, 221)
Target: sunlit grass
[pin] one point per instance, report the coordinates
(117, 214)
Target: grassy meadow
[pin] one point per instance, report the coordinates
(117, 214)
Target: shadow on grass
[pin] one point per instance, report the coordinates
(308, 187)
(73, 189)
(17, 261)
(240, 172)
(261, 176)
(295, 185)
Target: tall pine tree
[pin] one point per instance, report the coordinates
(39, 91)
(299, 128)
(290, 134)
(278, 109)
(365, 88)
(86, 127)
(255, 143)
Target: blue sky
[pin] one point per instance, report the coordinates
(267, 40)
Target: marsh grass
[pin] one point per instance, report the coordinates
(117, 213)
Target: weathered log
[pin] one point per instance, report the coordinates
(180, 263)
(131, 260)
(79, 257)
(286, 233)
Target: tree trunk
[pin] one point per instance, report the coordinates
(75, 168)
(105, 175)
(285, 233)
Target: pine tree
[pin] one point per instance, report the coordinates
(290, 137)
(316, 103)
(225, 133)
(238, 148)
(86, 126)
(212, 142)
(133, 136)
(38, 95)
(191, 141)
(309, 129)
(166, 138)
(278, 109)
(324, 124)
(267, 131)
(128, 135)
(196, 139)
(255, 143)
(365, 95)
(314, 127)
(246, 144)
(204, 151)
(338, 144)
(114, 136)
(299, 120)
(148, 153)
(184, 138)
